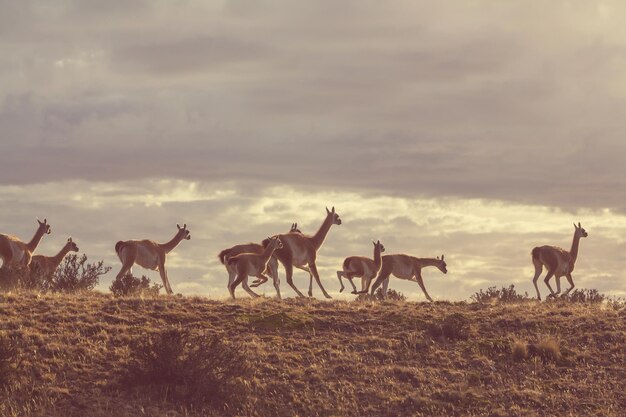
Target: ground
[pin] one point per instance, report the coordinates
(328, 358)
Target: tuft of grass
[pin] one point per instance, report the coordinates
(519, 351)
(188, 369)
(128, 285)
(547, 349)
(454, 327)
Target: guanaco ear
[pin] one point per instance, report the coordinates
(178, 225)
(442, 257)
(575, 227)
(69, 239)
(437, 258)
(327, 211)
(333, 209)
(40, 223)
(579, 226)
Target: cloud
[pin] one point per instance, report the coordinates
(485, 119)
(405, 99)
(486, 243)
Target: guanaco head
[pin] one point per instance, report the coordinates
(580, 231)
(294, 228)
(379, 245)
(183, 231)
(44, 226)
(71, 245)
(442, 265)
(335, 217)
(275, 243)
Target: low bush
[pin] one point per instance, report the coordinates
(391, 295)
(453, 327)
(547, 349)
(129, 285)
(503, 295)
(75, 274)
(14, 278)
(188, 369)
(587, 296)
(519, 351)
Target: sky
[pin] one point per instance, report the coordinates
(474, 129)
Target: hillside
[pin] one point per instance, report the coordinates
(311, 357)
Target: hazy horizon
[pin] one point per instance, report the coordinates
(474, 129)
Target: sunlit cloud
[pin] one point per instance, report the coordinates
(486, 242)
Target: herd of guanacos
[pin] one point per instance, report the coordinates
(291, 249)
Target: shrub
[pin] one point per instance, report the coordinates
(188, 369)
(453, 327)
(519, 351)
(75, 274)
(130, 285)
(586, 296)
(392, 295)
(9, 356)
(548, 349)
(13, 278)
(504, 295)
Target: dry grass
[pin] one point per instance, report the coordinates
(311, 357)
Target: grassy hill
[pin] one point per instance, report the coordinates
(70, 355)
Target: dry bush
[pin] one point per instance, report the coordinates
(128, 285)
(503, 295)
(392, 295)
(15, 278)
(9, 358)
(75, 274)
(586, 296)
(454, 327)
(188, 369)
(547, 349)
(519, 351)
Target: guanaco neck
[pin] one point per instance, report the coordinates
(320, 236)
(32, 245)
(169, 246)
(575, 243)
(267, 252)
(378, 259)
(56, 260)
(422, 262)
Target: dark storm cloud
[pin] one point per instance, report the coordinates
(409, 98)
